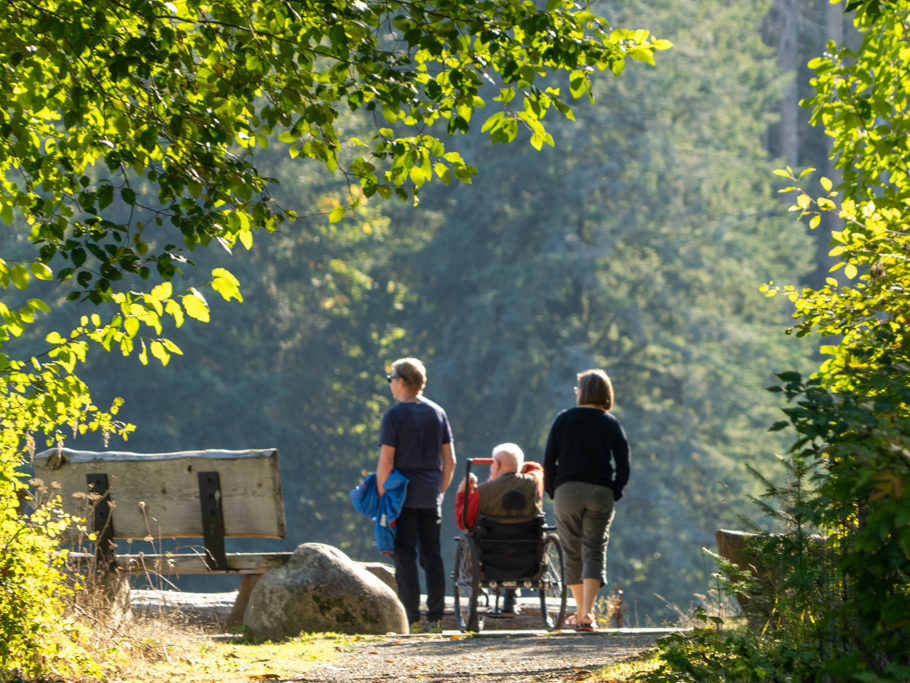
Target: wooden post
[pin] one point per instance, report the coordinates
(102, 523)
(212, 519)
(247, 583)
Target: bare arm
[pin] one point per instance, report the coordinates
(447, 453)
(384, 468)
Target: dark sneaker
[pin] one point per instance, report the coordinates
(432, 627)
(503, 612)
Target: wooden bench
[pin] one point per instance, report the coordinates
(210, 494)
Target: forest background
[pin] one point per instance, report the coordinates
(637, 244)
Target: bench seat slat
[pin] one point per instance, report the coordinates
(191, 563)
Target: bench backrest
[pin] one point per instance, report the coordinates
(158, 495)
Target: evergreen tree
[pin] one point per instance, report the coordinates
(638, 246)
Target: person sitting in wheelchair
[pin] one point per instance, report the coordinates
(513, 493)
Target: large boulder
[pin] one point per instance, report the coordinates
(321, 589)
(384, 572)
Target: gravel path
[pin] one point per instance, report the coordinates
(507, 657)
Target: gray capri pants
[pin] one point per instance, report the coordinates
(583, 515)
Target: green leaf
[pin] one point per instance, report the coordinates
(195, 307)
(104, 196)
(19, 275)
(131, 326)
(41, 271)
(578, 84)
(224, 282)
(162, 291)
(158, 351)
(39, 305)
(642, 54)
(175, 311)
(171, 347)
(443, 173)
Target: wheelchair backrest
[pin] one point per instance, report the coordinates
(509, 550)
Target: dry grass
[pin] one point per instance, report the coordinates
(166, 647)
(158, 652)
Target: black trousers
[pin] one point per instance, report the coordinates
(417, 539)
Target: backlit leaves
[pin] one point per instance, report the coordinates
(161, 95)
(851, 417)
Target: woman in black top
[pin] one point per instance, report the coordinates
(586, 467)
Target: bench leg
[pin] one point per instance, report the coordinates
(247, 582)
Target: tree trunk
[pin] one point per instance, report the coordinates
(787, 58)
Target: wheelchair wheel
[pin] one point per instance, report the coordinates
(467, 585)
(552, 586)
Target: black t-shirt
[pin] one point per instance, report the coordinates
(586, 444)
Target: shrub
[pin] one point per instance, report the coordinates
(38, 637)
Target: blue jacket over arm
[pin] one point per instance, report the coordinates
(383, 510)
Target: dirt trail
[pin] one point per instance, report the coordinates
(507, 657)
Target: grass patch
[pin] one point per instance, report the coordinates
(628, 670)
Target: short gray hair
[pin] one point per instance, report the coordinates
(515, 455)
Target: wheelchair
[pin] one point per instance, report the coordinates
(491, 554)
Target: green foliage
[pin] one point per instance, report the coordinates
(712, 652)
(796, 561)
(851, 420)
(38, 397)
(840, 598)
(38, 638)
(843, 596)
(156, 105)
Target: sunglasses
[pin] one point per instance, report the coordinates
(389, 378)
